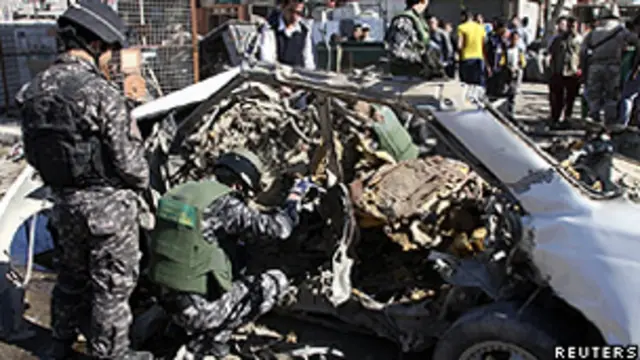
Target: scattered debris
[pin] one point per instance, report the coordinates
(401, 210)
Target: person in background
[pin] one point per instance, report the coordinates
(601, 56)
(561, 28)
(409, 45)
(564, 81)
(366, 33)
(442, 41)
(496, 47)
(357, 33)
(471, 40)
(516, 26)
(453, 38)
(479, 18)
(287, 39)
(513, 63)
(630, 81)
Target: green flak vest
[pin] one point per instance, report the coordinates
(423, 35)
(419, 24)
(181, 259)
(393, 137)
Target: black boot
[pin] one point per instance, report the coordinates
(61, 350)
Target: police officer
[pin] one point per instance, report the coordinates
(286, 38)
(80, 138)
(194, 252)
(408, 44)
(601, 55)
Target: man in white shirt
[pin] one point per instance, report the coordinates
(286, 38)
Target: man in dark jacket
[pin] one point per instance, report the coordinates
(80, 138)
(442, 41)
(564, 84)
(286, 38)
(194, 252)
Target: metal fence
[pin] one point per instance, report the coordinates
(26, 48)
(162, 28)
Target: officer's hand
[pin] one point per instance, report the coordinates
(301, 187)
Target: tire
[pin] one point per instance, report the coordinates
(495, 329)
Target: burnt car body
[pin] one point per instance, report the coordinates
(555, 255)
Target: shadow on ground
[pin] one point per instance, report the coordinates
(350, 345)
(28, 349)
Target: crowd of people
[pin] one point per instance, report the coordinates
(489, 54)
(494, 55)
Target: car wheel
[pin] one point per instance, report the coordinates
(497, 332)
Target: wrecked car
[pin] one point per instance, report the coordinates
(484, 246)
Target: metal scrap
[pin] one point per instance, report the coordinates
(419, 202)
(350, 253)
(256, 118)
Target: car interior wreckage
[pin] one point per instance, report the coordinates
(418, 237)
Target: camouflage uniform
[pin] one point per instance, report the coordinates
(211, 322)
(410, 50)
(97, 226)
(601, 92)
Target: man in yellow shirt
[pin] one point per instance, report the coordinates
(471, 39)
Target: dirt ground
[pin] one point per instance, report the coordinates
(531, 107)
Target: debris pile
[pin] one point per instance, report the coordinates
(422, 204)
(402, 209)
(255, 117)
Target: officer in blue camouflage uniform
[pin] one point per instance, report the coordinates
(601, 56)
(79, 136)
(195, 252)
(409, 46)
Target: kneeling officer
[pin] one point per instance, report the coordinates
(191, 261)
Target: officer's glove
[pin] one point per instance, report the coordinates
(292, 205)
(292, 208)
(302, 186)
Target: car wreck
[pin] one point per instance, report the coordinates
(483, 245)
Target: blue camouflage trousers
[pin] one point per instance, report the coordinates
(210, 322)
(97, 262)
(602, 92)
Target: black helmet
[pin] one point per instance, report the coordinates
(245, 164)
(98, 19)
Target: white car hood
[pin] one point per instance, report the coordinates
(588, 249)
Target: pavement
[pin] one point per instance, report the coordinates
(531, 106)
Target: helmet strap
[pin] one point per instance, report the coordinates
(70, 32)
